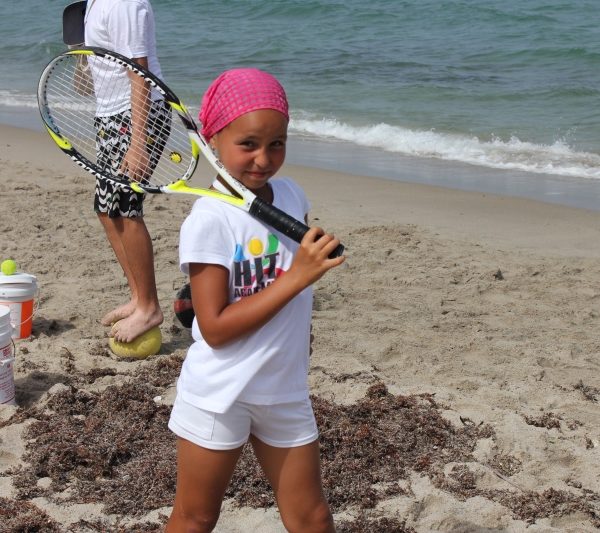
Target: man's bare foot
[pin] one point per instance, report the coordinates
(119, 313)
(135, 325)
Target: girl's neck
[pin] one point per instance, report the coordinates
(265, 193)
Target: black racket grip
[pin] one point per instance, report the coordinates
(284, 223)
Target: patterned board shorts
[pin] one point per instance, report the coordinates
(113, 135)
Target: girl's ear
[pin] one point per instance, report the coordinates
(213, 146)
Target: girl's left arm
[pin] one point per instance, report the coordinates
(222, 322)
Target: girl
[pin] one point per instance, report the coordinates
(245, 376)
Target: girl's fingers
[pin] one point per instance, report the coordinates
(331, 243)
(322, 245)
(318, 237)
(312, 235)
(328, 243)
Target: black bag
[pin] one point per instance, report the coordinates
(73, 22)
(74, 36)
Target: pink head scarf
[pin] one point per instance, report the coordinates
(237, 92)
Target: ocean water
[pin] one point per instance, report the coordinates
(488, 84)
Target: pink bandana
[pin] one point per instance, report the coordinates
(237, 92)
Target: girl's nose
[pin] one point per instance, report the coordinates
(262, 158)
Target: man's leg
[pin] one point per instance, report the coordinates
(127, 232)
(133, 246)
(112, 233)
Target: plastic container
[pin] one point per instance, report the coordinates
(7, 358)
(17, 292)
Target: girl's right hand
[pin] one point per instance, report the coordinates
(312, 258)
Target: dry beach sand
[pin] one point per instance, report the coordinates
(455, 366)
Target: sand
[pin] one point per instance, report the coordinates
(487, 305)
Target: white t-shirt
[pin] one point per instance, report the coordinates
(269, 365)
(126, 27)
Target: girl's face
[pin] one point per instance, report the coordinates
(252, 147)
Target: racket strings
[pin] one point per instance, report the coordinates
(88, 99)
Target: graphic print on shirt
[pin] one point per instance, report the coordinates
(255, 265)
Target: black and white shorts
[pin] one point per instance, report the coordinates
(113, 135)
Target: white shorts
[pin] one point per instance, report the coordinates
(283, 425)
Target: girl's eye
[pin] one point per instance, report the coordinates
(253, 145)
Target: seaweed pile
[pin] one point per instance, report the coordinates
(113, 447)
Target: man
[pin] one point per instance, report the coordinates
(125, 145)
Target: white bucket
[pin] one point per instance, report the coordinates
(7, 358)
(17, 292)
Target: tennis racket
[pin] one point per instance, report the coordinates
(86, 92)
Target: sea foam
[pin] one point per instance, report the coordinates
(510, 154)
